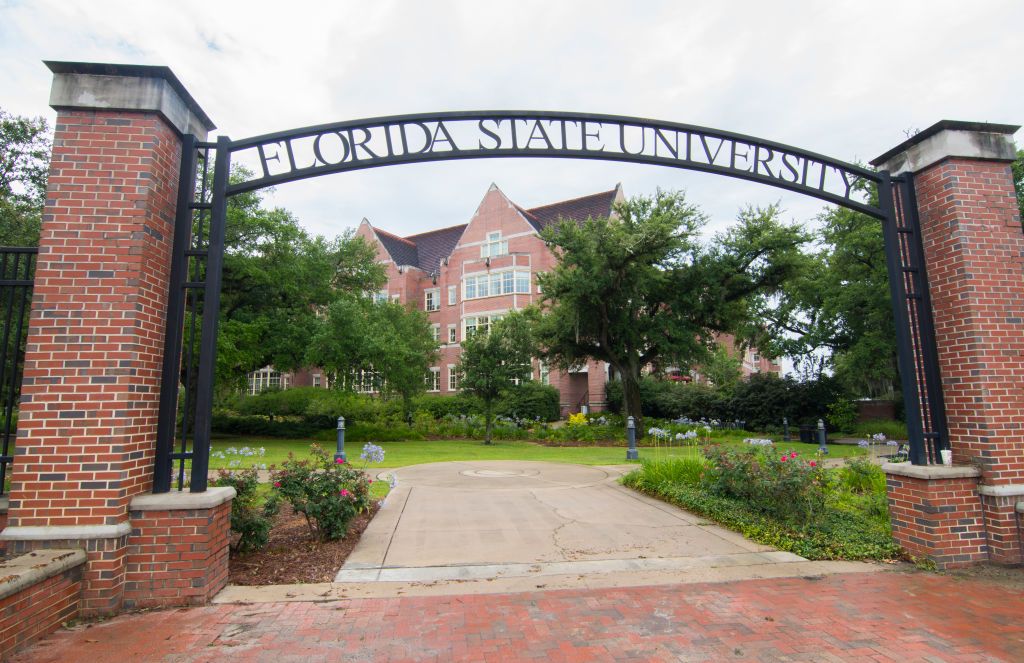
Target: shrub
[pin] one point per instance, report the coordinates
(329, 494)
(860, 475)
(842, 415)
(531, 401)
(440, 407)
(893, 430)
(781, 484)
(248, 519)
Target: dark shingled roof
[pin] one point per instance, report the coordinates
(578, 209)
(435, 245)
(426, 250)
(401, 250)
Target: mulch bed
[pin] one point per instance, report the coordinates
(293, 556)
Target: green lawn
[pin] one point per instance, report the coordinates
(414, 452)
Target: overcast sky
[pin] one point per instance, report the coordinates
(846, 79)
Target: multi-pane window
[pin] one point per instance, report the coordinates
(434, 379)
(545, 374)
(453, 335)
(451, 295)
(432, 299)
(453, 378)
(479, 323)
(317, 380)
(435, 333)
(266, 378)
(496, 283)
(494, 246)
(366, 381)
(380, 297)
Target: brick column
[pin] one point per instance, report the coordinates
(90, 397)
(974, 253)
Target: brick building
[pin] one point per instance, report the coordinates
(468, 276)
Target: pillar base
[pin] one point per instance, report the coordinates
(178, 548)
(936, 513)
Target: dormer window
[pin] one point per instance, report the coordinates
(494, 246)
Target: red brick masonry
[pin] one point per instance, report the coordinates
(38, 592)
(177, 556)
(940, 517)
(903, 617)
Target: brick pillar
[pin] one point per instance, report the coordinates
(974, 252)
(90, 397)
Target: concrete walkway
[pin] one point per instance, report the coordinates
(488, 519)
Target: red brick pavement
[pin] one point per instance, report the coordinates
(874, 617)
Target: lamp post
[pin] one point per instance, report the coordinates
(785, 429)
(340, 452)
(822, 447)
(631, 453)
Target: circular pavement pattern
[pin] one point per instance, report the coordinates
(493, 475)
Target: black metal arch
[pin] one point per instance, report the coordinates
(386, 141)
(195, 278)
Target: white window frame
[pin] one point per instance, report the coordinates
(434, 379)
(497, 283)
(432, 299)
(491, 319)
(453, 334)
(494, 246)
(435, 332)
(452, 295)
(453, 378)
(317, 380)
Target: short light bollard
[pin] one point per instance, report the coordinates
(822, 447)
(340, 452)
(631, 453)
(785, 429)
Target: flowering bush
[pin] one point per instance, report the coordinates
(248, 520)
(577, 419)
(328, 493)
(784, 485)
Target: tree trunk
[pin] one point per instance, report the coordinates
(488, 421)
(631, 396)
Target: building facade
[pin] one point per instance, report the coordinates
(468, 276)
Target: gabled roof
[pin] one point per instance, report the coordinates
(426, 250)
(434, 245)
(595, 206)
(402, 251)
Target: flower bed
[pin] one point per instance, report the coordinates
(779, 499)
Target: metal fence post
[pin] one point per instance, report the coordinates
(785, 429)
(632, 453)
(340, 452)
(822, 447)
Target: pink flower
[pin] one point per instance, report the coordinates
(792, 455)
(277, 484)
(343, 492)
(813, 464)
(371, 481)
(339, 461)
(784, 459)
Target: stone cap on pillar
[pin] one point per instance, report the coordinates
(950, 138)
(128, 87)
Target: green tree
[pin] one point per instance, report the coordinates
(1018, 180)
(493, 360)
(723, 369)
(642, 288)
(277, 279)
(24, 163)
(392, 343)
(837, 307)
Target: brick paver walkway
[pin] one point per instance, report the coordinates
(875, 617)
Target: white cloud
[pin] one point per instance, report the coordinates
(841, 78)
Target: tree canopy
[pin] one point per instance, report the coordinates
(24, 164)
(494, 360)
(642, 288)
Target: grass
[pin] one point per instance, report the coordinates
(853, 526)
(414, 452)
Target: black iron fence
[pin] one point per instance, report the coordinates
(17, 272)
